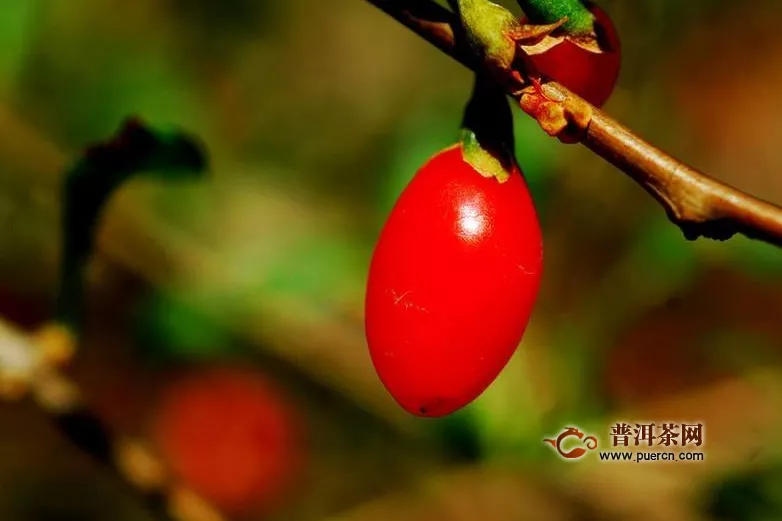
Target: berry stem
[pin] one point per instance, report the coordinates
(487, 130)
(698, 204)
(580, 21)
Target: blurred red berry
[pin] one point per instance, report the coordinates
(230, 437)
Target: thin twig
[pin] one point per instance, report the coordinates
(700, 205)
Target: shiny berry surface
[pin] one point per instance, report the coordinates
(452, 284)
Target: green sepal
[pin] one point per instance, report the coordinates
(491, 30)
(485, 162)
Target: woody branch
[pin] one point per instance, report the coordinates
(698, 204)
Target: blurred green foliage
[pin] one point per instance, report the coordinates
(458, 434)
(15, 25)
(419, 137)
(170, 330)
(757, 350)
(319, 114)
(748, 496)
(314, 267)
(756, 259)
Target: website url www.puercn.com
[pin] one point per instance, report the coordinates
(639, 457)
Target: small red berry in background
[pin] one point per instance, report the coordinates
(591, 75)
(229, 436)
(452, 284)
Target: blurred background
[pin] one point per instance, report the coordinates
(225, 315)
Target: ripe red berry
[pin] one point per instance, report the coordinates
(227, 434)
(591, 75)
(452, 284)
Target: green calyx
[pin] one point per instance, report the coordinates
(490, 29)
(484, 161)
(580, 21)
(90, 182)
(487, 131)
